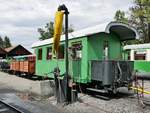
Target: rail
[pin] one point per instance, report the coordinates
(7, 108)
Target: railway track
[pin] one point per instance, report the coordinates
(7, 108)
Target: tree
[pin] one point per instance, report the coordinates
(70, 29)
(120, 17)
(1, 42)
(140, 18)
(6, 42)
(48, 31)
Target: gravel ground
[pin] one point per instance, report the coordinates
(90, 104)
(125, 102)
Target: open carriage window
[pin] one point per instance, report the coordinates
(140, 55)
(49, 53)
(76, 50)
(40, 54)
(61, 52)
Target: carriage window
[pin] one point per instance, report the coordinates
(40, 54)
(140, 55)
(128, 55)
(76, 50)
(49, 53)
(61, 52)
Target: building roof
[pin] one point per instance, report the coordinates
(17, 50)
(2, 51)
(137, 46)
(124, 31)
(10, 48)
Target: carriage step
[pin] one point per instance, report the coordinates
(97, 90)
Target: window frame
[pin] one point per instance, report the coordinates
(63, 53)
(40, 52)
(74, 53)
(48, 50)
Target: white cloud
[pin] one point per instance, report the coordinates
(19, 19)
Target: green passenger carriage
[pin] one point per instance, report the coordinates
(140, 54)
(92, 54)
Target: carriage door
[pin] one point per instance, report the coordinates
(76, 55)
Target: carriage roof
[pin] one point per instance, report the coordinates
(124, 31)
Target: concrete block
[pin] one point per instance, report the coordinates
(47, 87)
(43, 88)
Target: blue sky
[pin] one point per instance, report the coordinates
(20, 19)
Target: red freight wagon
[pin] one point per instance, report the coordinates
(27, 67)
(14, 65)
(23, 64)
(17, 66)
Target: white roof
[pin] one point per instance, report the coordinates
(75, 34)
(137, 46)
(84, 32)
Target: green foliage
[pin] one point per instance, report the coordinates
(139, 18)
(130, 42)
(120, 16)
(1, 42)
(48, 31)
(5, 43)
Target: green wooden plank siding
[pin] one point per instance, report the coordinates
(96, 46)
(45, 66)
(139, 65)
(79, 68)
(142, 66)
(96, 43)
(92, 49)
(115, 48)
